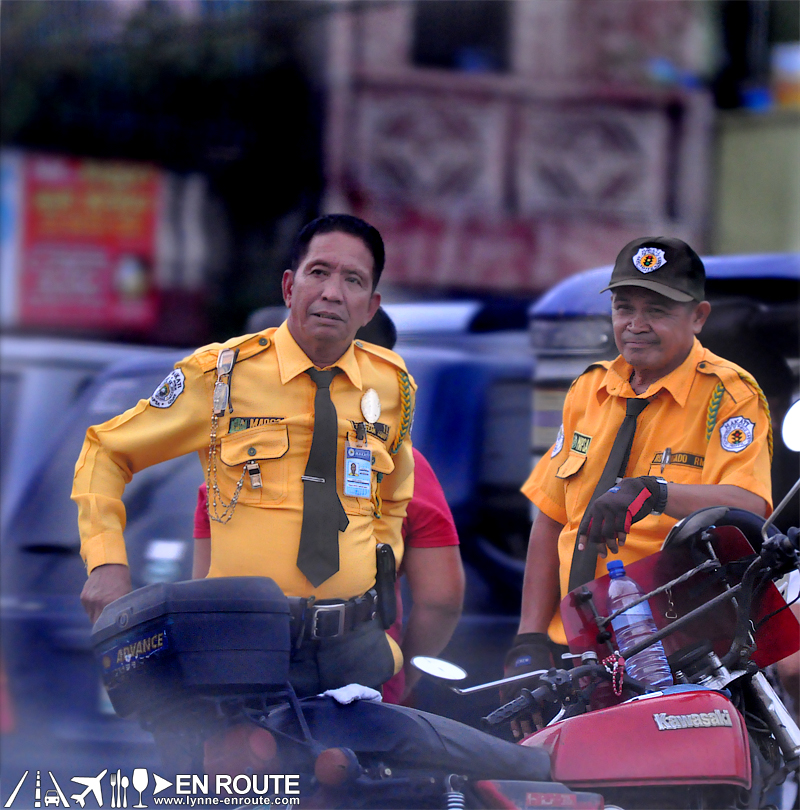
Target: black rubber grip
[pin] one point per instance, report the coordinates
(509, 710)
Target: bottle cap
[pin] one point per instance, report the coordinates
(616, 569)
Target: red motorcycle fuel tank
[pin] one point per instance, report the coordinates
(691, 737)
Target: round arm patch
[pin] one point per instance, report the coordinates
(169, 390)
(736, 433)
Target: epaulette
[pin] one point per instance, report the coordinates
(736, 381)
(604, 364)
(248, 346)
(385, 354)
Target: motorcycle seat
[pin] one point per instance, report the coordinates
(402, 736)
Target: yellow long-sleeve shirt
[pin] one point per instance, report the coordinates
(272, 423)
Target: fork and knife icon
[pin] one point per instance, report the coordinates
(119, 790)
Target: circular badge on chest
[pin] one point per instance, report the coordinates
(371, 405)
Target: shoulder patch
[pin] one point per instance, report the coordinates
(559, 443)
(736, 433)
(169, 390)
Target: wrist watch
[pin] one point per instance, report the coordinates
(661, 499)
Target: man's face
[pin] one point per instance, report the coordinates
(330, 295)
(653, 332)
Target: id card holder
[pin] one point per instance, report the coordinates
(357, 471)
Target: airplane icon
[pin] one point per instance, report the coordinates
(92, 783)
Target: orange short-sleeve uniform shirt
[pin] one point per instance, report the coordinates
(708, 413)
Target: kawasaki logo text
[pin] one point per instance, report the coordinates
(669, 722)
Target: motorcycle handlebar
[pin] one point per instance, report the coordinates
(782, 551)
(553, 681)
(778, 552)
(514, 707)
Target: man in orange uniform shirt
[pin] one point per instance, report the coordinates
(705, 427)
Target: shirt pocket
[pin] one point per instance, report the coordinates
(569, 472)
(572, 465)
(268, 446)
(382, 464)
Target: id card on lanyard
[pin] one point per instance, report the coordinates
(357, 471)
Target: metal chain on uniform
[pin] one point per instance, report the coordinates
(225, 363)
(214, 494)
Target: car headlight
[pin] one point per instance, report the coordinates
(573, 335)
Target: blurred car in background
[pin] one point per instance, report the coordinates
(39, 379)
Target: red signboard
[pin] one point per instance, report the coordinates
(89, 243)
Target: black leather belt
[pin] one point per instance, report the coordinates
(330, 618)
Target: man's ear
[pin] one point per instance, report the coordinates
(287, 283)
(374, 303)
(700, 315)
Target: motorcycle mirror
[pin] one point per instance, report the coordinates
(438, 668)
(790, 432)
(791, 427)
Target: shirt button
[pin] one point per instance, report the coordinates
(251, 451)
(702, 365)
(263, 341)
(359, 344)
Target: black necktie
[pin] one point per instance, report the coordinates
(584, 562)
(323, 513)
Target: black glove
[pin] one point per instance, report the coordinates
(613, 513)
(531, 652)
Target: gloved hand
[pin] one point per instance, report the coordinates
(531, 652)
(608, 520)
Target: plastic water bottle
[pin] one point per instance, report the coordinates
(650, 665)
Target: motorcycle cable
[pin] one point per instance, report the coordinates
(776, 612)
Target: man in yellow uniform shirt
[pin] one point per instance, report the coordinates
(703, 425)
(252, 408)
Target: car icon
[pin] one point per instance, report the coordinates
(51, 797)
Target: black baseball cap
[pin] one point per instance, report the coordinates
(662, 264)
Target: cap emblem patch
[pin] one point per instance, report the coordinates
(648, 259)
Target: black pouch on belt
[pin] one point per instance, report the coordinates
(385, 577)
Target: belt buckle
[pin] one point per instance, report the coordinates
(340, 609)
